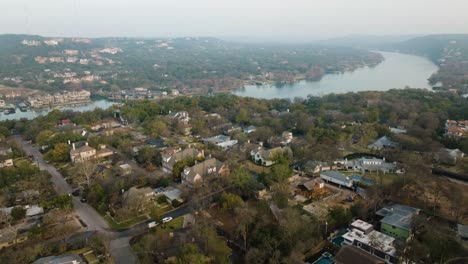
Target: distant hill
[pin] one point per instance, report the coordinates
(366, 41)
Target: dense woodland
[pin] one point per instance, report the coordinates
(183, 63)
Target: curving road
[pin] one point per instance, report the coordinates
(119, 245)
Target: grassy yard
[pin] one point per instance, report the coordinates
(159, 209)
(173, 225)
(126, 224)
(256, 168)
(387, 178)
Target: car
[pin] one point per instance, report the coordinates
(152, 224)
(166, 219)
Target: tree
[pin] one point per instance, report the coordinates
(60, 153)
(245, 219)
(339, 217)
(190, 253)
(243, 182)
(18, 213)
(243, 116)
(44, 137)
(149, 156)
(229, 202)
(87, 170)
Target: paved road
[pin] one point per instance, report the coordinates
(120, 249)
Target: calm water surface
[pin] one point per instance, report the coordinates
(33, 113)
(396, 71)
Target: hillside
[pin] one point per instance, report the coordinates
(450, 52)
(188, 64)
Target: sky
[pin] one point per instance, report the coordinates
(250, 19)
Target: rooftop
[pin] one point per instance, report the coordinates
(353, 255)
(398, 215)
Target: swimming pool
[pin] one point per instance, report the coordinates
(338, 240)
(362, 179)
(326, 258)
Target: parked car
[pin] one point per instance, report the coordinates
(166, 219)
(152, 224)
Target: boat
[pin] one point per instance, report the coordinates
(23, 107)
(9, 110)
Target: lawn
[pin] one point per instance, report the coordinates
(126, 224)
(175, 224)
(387, 178)
(256, 168)
(159, 209)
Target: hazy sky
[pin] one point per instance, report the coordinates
(261, 19)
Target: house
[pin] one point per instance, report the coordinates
(383, 143)
(156, 143)
(221, 141)
(364, 164)
(448, 156)
(286, 137)
(172, 194)
(268, 157)
(62, 259)
(6, 162)
(250, 129)
(5, 150)
(83, 153)
(103, 152)
(313, 188)
(182, 117)
(32, 210)
(337, 178)
(9, 236)
(353, 255)
(196, 174)
(462, 232)
(397, 220)
(169, 160)
(396, 130)
(311, 166)
(140, 196)
(126, 169)
(363, 236)
(456, 129)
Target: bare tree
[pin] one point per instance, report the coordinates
(87, 170)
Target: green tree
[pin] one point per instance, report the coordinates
(43, 138)
(243, 116)
(190, 253)
(338, 217)
(243, 182)
(229, 202)
(148, 156)
(18, 213)
(60, 153)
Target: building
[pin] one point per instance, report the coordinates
(126, 169)
(383, 143)
(169, 160)
(337, 178)
(312, 166)
(6, 162)
(9, 236)
(196, 174)
(448, 156)
(456, 129)
(397, 220)
(268, 157)
(250, 129)
(353, 255)
(62, 259)
(363, 236)
(83, 153)
(287, 137)
(221, 141)
(172, 194)
(462, 232)
(103, 152)
(182, 117)
(367, 165)
(65, 98)
(396, 130)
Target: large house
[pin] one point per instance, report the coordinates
(196, 174)
(83, 153)
(363, 236)
(221, 141)
(337, 178)
(267, 157)
(456, 129)
(367, 165)
(448, 156)
(168, 160)
(397, 220)
(383, 143)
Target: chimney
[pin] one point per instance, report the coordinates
(86, 143)
(73, 146)
(69, 142)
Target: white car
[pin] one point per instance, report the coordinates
(166, 219)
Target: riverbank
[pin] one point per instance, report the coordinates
(397, 71)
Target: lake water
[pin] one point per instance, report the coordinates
(396, 71)
(33, 113)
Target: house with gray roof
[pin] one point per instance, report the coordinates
(169, 160)
(267, 157)
(196, 174)
(383, 143)
(337, 178)
(397, 220)
(62, 259)
(364, 164)
(221, 141)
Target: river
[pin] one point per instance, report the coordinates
(396, 71)
(33, 113)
